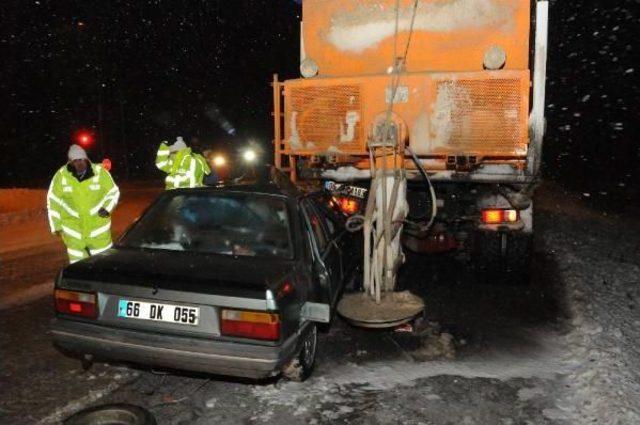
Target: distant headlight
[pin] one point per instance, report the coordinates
(249, 155)
(219, 161)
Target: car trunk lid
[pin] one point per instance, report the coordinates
(176, 285)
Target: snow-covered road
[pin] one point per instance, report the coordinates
(599, 258)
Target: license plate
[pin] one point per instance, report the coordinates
(158, 312)
(343, 189)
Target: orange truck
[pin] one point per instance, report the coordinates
(467, 107)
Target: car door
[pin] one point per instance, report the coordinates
(327, 259)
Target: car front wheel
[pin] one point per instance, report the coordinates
(301, 366)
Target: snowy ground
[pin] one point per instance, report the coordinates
(600, 267)
(559, 351)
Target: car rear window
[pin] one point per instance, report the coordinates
(226, 224)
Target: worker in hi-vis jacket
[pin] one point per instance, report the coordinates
(80, 201)
(184, 168)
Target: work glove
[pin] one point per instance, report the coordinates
(103, 213)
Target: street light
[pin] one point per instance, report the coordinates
(219, 161)
(249, 155)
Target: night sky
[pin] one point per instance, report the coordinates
(158, 69)
(593, 100)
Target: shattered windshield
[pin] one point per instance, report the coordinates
(227, 224)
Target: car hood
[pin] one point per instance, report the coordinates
(183, 271)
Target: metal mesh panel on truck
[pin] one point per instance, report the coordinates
(485, 116)
(319, 114)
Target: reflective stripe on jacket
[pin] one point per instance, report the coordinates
(202, 169)
(163, 158)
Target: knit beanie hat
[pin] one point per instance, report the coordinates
(76, 152)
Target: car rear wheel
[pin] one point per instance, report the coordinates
(301, 366)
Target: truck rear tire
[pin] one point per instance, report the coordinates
(503, 257)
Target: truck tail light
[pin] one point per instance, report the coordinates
(499, 216)
(76, 303)
(250, 324)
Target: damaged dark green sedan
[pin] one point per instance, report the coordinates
(225, 280)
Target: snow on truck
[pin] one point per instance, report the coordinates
(426, 119)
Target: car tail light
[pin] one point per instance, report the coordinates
(76, 303)
(498, 216)
(250, 324)
(285, 289)
(347, 205)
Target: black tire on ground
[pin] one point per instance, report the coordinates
(301, 366)
(121, 414)
(501, 257)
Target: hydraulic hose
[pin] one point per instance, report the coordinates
(432, 192)
(356, 222)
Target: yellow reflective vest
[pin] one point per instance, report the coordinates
(73, 205)
(184, 169)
